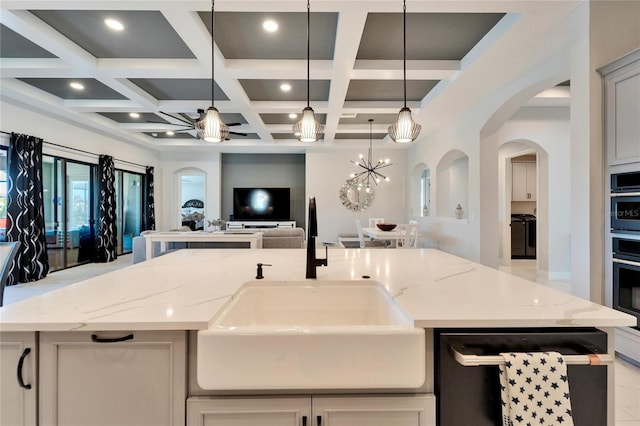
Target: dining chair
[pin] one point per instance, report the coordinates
(373, 221)
(8, 252)
(408, 236)
(368, 243)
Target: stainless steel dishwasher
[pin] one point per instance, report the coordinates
(470, 395)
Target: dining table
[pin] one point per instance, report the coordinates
(378, 234)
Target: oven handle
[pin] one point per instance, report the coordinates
(626, 262)
(478, 360)
(625, 194)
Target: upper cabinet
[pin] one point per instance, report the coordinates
(524, 182)
(622, 109)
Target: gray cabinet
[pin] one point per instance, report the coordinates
(622, 109)
(114, 378)
(340, 410)
(18, 387)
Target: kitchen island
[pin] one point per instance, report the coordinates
(157, 306)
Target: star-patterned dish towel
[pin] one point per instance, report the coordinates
(534, 389)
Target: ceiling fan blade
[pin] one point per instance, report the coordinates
(239, 134)
(177, 118)
(234, 124)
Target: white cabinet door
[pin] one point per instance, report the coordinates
(18, 390)
(532, 183)
(407, 410)
(523, 182)
(263, 411)
(87, 379)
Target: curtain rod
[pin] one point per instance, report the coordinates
(81, 150)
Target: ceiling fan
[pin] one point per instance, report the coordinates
(190, 124)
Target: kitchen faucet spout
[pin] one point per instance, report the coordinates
(312, 261)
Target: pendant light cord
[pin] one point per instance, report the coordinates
(308, 47)
(370, 139)
(213, 81)
(404, 44)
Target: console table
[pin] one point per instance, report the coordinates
(253, 238)
(239, 224)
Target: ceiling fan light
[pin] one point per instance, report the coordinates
(405, 130)
(211, 128)
(307, 129)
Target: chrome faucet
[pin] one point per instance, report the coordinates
(312, 261)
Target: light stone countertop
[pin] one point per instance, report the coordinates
(184, 290)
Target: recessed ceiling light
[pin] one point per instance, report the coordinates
(285, 87)
(134, 115)
(293, 116)
(75, 85)
(155, 135)
(170, 133)
(113, 24)
(270, 26)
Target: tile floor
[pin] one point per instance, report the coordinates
(627, 375)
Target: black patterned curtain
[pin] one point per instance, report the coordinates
(25, 209)
(107, 239)
(149, 220)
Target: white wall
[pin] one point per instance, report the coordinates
(326, 171)
(21, 120)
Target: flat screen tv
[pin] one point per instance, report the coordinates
(261, 204)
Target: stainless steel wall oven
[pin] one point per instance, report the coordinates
(626, 276)
(625, 202)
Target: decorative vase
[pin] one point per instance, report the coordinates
(459, 212)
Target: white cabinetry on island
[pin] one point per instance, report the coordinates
(18, 384)
(341, 410)
(116, 378)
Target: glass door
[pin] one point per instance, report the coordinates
(53, 193)
(69, 206)
(80, 239)
(129, 205)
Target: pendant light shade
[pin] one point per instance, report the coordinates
(210, 127)
(307, 129)
(405, 130)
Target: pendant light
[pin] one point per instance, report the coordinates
(405, 129)
(210, 127)
(371, 170)
(307, 129)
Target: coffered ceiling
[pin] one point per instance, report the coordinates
(159, 65)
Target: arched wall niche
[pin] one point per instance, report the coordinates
(452, 185)
(420, 191)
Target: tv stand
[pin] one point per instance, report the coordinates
(260, 224)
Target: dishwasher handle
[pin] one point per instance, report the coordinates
(471, 360)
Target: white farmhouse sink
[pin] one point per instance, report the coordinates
(311, 335)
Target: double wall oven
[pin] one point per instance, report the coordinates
(625, 230)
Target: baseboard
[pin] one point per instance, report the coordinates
(555, 276)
